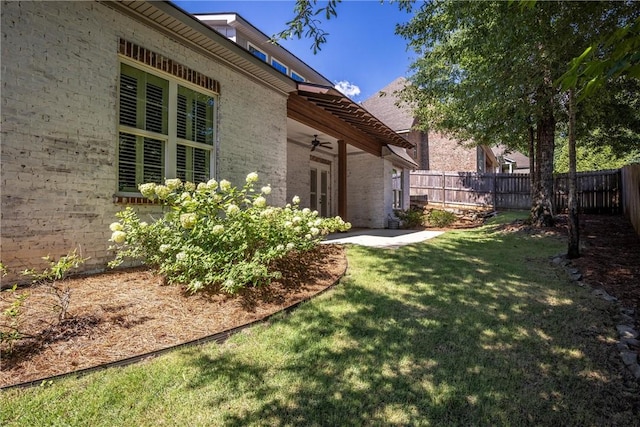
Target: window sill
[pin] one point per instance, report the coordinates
(133, 200)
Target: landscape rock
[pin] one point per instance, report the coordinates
(626, 331)
(636, 371)
(604, 295)
(631, 342)
(629, 358)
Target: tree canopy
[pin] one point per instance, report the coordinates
(504, 72)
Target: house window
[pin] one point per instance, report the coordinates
(166, 129)
(279, 66)
(297, 77)
(257, 52)
(397, 187)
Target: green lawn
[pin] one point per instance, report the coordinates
(474, 327)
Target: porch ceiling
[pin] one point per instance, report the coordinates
(329, 111)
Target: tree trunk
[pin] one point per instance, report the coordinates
(573, 251)
(542, 201)
(532, 162)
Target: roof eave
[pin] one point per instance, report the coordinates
(183, 27)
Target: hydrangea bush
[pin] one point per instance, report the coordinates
(215, 234)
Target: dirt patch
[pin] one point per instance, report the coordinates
(117, 315)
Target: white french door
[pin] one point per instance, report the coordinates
(319, 190)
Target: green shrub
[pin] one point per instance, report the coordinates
(214, 234)
(438, 218)
(411, 218)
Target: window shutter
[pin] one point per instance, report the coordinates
(199, 123)
(181, 167)
(154, 120)
(127, 163)
(182, 117)
(128, 100)
(153, 160)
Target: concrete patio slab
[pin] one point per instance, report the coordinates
(382, 238)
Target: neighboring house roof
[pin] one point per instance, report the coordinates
(511, 156)
(383, 104)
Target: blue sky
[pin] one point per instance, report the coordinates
(362, 54)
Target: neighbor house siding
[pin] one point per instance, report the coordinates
(60, 69)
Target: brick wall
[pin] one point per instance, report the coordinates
(368, 193)
(446, 154)
(59, 94)
(298, 173)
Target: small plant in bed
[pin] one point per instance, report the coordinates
(439, 218)
(411, 218)
(217, 235)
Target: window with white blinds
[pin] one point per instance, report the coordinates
(159, 138)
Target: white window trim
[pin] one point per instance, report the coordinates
(292, 72)
(400, 173)
(266, 55)
(171, 140)
(286, 72)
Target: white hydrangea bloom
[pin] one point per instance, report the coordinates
(260, 202)
(173, 183)
(232, 209)
(164, 248)
(295, 200)
(252, 177)
(266, 190)
(218, 229)
(188, 220)
(290, 246)
(116, 226)
(189, 186)
(148, 190)
(314, 231)
(143, 224)
(118, 236)
(212, 184)
(307, 236)
(162, 191)
(181, 256)
(225, 185)
(306, 211)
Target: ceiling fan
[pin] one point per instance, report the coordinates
(315, 144)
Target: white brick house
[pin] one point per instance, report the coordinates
(100, 96)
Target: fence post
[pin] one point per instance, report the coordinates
(495, 190)
(444, 191)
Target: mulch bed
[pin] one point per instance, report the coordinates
(120, 314)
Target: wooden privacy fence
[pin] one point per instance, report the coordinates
(597, 191)
(631, 194)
